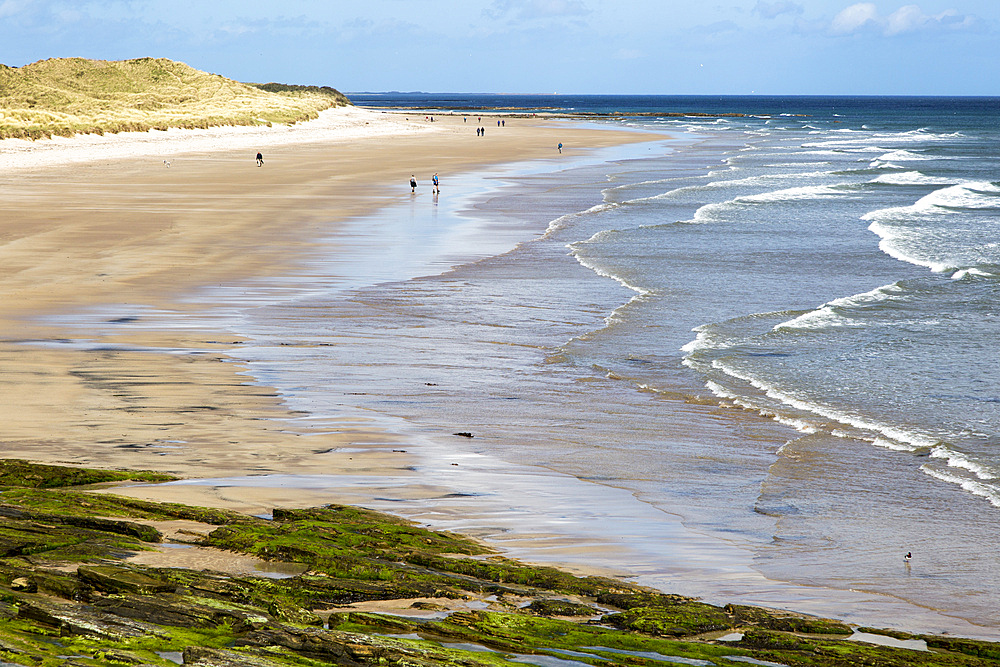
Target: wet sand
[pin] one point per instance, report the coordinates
(110, 224)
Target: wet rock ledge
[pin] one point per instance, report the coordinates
(364, 589)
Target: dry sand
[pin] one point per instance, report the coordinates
(105, 221)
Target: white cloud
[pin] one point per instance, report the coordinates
(908, 18)
(11, 7)
(854, 18)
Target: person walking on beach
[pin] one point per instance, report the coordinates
(260, 160)
(559, 147)
(436, 183)
(413, 183)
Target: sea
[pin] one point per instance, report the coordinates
(751, 357)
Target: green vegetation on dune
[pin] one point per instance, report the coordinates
(69, 596)
(67, 96)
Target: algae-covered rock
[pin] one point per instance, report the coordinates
(641, 598)
(328, 646)
(138, 615)
(325, 591)
(679, 620)
(201, 656)
(115, 579)
(129, 528)
(383, 622)
(21, 473)
(789, 649)
(119, 657)
(24, 584)
(22, 538)
(58, 584)
(176, 610)
(139, 531)
(290, 613)
(755, 616)
(560, 608)
(759, 638)
(973, 647)
(76, 619)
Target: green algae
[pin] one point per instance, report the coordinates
(68, 597)
(21, 473)
(681, 620)
(547, 607)
(68, 502)
(744, 615)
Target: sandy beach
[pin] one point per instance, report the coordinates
(143, 220)
(123, 254)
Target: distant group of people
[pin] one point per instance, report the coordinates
(481, 131)
(435, 183)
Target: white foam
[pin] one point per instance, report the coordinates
(891, 249)
(882, 164)
(888, 443)
(793, 194)
(853, 141)
(965, 273)
(904, 156)
(827, 316)
(800, 425)
(720, 391)
(890, 223)
(564, 220)
(785, 165)
(987, 491)
(700, 342)
(575, 251)
(959, 460)
(911, 178)
(762, 179)
(824, 317)
(706, 213)
(891, 432)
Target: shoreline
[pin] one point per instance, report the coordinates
(250, 402)
(82, 238)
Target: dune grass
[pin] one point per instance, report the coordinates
(67, 96)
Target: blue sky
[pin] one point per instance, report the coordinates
(931, 47)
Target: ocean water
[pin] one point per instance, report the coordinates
(774, 333)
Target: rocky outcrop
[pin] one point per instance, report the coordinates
(64, 574)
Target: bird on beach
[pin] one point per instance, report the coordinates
(907, 557)
(167, 163)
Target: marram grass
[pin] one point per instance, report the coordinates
(67, 96)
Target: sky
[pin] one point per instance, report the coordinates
(668, 47)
